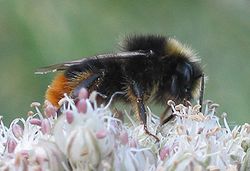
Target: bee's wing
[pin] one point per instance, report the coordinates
(65, 65)
(58, 67)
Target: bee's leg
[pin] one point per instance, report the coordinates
(136, 97)
(89, 83)
(167, 112)
(202, 91)
(88, 80)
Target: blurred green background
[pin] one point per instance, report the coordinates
(39, 33)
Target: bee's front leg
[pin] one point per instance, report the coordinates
(136, 96)
(167, 115)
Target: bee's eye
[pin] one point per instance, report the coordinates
(186, 71)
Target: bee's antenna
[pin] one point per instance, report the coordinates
(202, 90)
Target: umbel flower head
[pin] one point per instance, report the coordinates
(85, 136)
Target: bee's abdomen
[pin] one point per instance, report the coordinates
(57, 88)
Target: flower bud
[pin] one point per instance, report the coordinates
(81, 106)
(17, 130)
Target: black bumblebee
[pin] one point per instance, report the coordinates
(150, 67)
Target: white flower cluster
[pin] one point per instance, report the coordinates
(89, 137)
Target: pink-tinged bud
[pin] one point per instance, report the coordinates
(82, 106)
(35, 121)
(83, 94)
(124, 137)
(45, 126)
(17, 130)
(69, 116)
(11, 145)
(101, 134)
(164, 152)
(50, 110)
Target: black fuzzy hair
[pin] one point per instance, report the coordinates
(155, 43)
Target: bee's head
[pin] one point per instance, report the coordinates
(184, 80)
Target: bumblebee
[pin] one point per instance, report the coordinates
(148, 68)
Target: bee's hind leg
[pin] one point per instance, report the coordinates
(136, 97)
(88, 83)
(88, 80)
